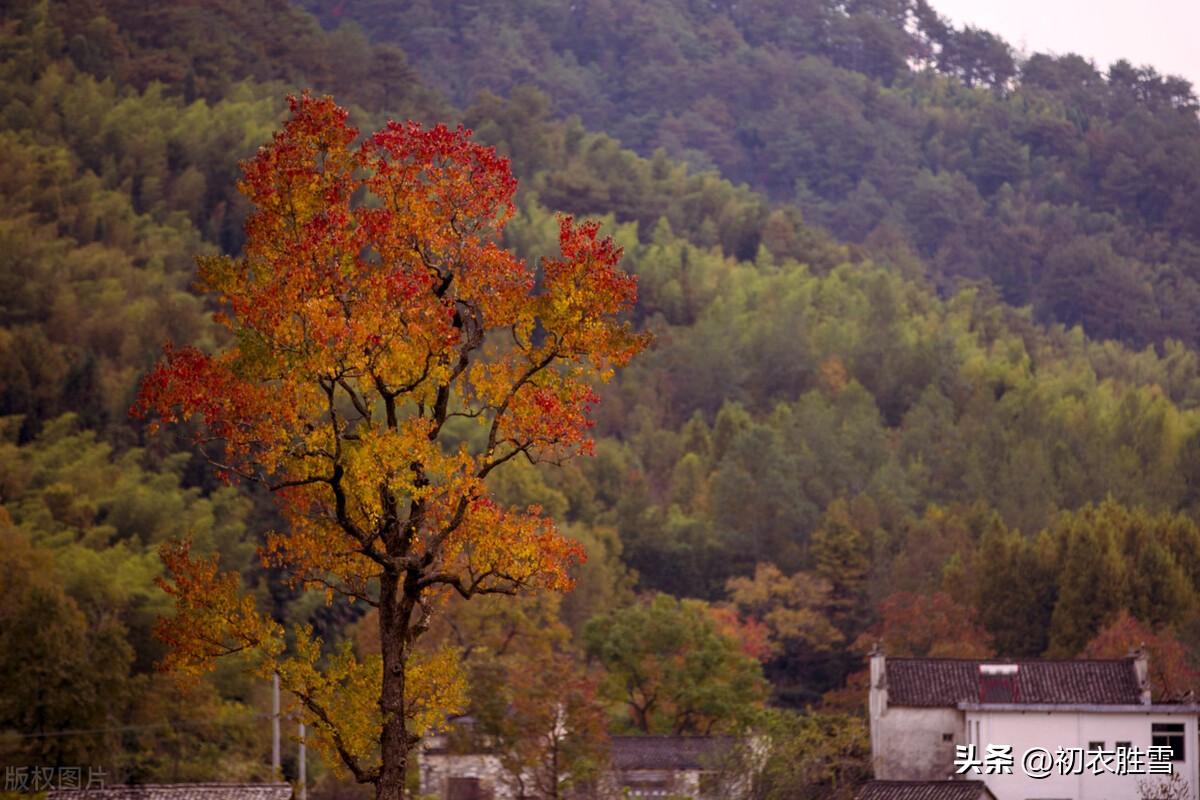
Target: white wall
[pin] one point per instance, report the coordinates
(1054, 729)
(909, 743)
(437, 768)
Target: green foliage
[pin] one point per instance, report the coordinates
(1068, 189)
(60, 670)
(202, 49)
(1051, 594)
(1113, 558)
(670, 669)
(81, 525)
(1013, 582)
(864, 419)
(814, 754)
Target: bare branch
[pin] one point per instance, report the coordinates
(475, 586)
(359, 405)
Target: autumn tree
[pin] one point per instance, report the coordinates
(794, 609)
(1172, 673)
(533, 704)
(553, 738)
(932, 626)
(387, 355)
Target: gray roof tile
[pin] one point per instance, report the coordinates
(923, 790)
(668, 752)
(948, 682)
(179, 791)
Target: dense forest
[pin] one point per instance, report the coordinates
(923, 373)
(1065, 185)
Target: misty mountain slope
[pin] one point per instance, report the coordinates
(1070, 188)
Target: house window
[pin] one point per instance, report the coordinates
(1095, 747)
(1124, 745)
(947, 737)
(1168, 734)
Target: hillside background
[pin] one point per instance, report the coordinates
(925, 366)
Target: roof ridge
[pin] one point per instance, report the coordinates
(644, 736)
(938, 781)
(1122, 660)
(194, 784)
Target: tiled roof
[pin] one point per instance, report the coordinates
(668, 752)
(948, 682)
(923, 790)
(179, 791)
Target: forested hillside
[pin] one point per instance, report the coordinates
(966, 394)
(1067, 185)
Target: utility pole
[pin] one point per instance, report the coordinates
(302, 778)
(275, 766)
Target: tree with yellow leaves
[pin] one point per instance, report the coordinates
(388, 354)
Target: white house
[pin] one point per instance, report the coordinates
(1030, 730)
(639, 767)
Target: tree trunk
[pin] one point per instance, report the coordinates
(394, 741)
(554, 793)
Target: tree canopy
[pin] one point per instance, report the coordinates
(363, 334)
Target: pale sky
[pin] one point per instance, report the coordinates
(1161, 33)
